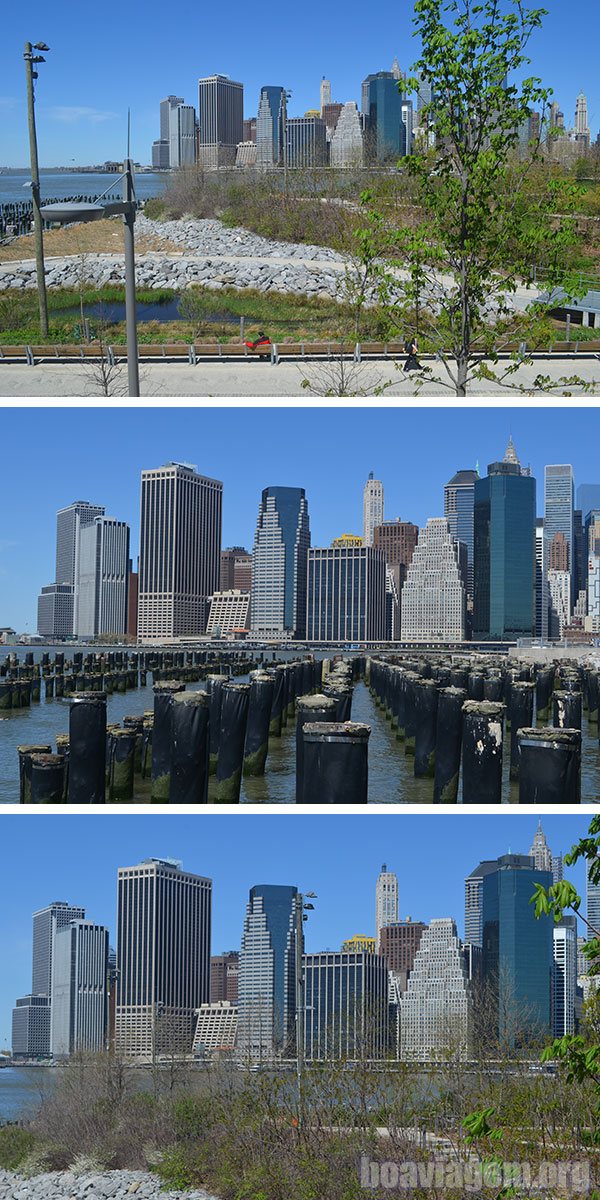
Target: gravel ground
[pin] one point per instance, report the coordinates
(110, 1185)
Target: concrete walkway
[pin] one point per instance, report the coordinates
(256, 379)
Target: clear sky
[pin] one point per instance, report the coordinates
(49, 856)
(104, 60)
(52, 457)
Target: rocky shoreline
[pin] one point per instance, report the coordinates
(211, 256)
(109, 1185)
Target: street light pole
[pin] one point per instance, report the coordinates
(133, 373)
(300, 915)
(35, 187)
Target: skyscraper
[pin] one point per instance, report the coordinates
(564, 976)
(433, 601)
(504, 552)
(398, 945)
(386, 902)
(102, 579)
(182, 136)
(386, 128)
(267, 995)
(57, 603)
(46, 924)
(459, 502)
(163, 957)
(224, 976)
(559, 507)
(582, 127)
(346, 148)
(517, 950)
(324, 93)
(346, 593)
(474, 901)
(540, 851)
(79, 1002)
(592, 901)
(435, 1011)
(280, 563)
(220, 120)
(166, 107)
(306, 142)
(372, 508)
(180, 547)
(346, 1014)
(269, 128)
(31, 1027)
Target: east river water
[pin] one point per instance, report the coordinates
(391, 778)
(56, 185)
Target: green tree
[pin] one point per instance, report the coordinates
(456, 273)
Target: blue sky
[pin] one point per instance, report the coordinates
(60, 455)
(103, 61)
(75, 858)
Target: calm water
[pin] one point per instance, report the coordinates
(22, 1090)
(166, 311)
(391, 778)
(59, 184)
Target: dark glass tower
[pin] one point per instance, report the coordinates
(280, 562)
(517, 949)
(504, 552)
(459, 500)
(267, 995)
(388, 132)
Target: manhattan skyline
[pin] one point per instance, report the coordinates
(80, 120)
(414, 453)
(431, 864)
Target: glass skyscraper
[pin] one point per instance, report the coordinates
(559, 507)
(269, 127)
(517, 949)
(386, 128)
(267, 991)
(459, 500)
(280, 564)
(504, 552)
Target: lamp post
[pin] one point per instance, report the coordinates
(30, 75)
(285, 96)
(67, 213)
(300, 915)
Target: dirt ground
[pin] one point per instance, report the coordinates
(97, 237)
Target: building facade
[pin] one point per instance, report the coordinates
(182, 136)
(564, 976)
(229, 614)
(163, 957)
(102, 579)
(387, 131)
(267, 996)
(436, 1009)
(504, 552)
(346, 1013)
(280, 564)
(346, 594)
(433, 600)
(180, 548)
(220, 120)
(224, 976)
(306, 142)
(216, 1029)
(372, 508)
(559, 509)
(79, 1002)
(55, 610)
(386, 902)
(31, 1027)
(269, 128)
(346, 148)
(459, 504)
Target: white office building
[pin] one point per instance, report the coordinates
(559, 599)
(102, 580)
(386, 902)
(163, 957)
(433, 602)
(182, 136)
(372, 508)
(346, 148)
(280, 564)
(79, 1001)
(216, 1029)
(435, 1010)
(564, 976)
(229, 614)
(180, 551)
(220, 120)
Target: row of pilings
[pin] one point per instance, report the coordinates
(457, 716)
(28, 682)
(190, 736)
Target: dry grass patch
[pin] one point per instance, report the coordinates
(97, 237)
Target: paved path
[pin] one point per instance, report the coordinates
(255, 379)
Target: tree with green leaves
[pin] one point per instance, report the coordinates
(461, 272)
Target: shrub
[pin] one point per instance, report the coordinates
(15, 1145)
(87, 1164)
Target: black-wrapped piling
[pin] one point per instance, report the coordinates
(310, 709)
(190, 748)
(234, 717)
(544, 686)
(448, 745)
(566, 710)
(48, 779)
(87, 748)
(335, 763)
(214, 691)
(161, 739)
(121, 771)
(425, 696)
(259, 719)
(550, 770)
(26, 753)
(482, 752)
(521, 715)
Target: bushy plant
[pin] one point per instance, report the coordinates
(15, 1145)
